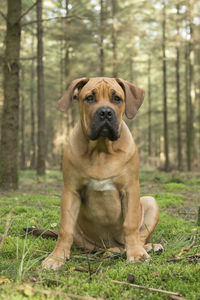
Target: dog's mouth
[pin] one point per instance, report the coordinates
(104, 127)
(104, 131)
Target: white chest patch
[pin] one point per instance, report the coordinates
(101, 185)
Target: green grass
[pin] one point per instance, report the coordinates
(37, 204)
(174, 187)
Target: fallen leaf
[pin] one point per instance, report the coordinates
(4, 279)
(28, 291)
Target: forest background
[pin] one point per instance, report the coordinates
(44, 45)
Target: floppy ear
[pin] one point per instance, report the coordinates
(68, 96)
(134, 97)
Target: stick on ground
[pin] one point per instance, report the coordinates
(149, 289)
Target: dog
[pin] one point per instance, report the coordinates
(101, 206)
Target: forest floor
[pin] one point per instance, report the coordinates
(36, 203)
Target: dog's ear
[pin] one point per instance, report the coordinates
(71, 93)
(134, 97)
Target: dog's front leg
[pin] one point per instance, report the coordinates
(132, 222)
(70, 205)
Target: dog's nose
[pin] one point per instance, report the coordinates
(106, 113)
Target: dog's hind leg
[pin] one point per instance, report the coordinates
(150, 220)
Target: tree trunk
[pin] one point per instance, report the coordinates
(114, 38)
(101, 42)
(178, 113)
(165, 124)
(33, 150)
(62, 119)
(149, 107)
(197, 94)
(190, 93)
(71, 110)
(41, 100)
(188, 158)
(191, 86)
(22, 154)
(67, 44)
(10, 114)
(22, 111)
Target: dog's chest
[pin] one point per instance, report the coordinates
(101, 201)
(100, 185)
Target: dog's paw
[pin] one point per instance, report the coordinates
(156, 248)
(137, 253)
(53, 262)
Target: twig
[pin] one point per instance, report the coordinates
(3, 214)
(8, 224)
(183, 257)
(41, 232)
(55, 293)
(187, 248)
(89, 268)
(4, 16)
(197, 246)
(27, 11)
(147, 288)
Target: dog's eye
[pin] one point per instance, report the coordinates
(90, 99)
(117, 99)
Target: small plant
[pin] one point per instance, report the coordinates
(174, 180)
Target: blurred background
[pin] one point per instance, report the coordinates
(44, 45)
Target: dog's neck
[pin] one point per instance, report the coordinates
(102, 144)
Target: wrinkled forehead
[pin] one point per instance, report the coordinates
(102, 86)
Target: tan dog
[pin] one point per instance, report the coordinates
(101, 205)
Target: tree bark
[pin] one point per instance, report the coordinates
(22, 111)
(41, 153)
(188, 157)
(165, 122)
(114, 38)
(10, 114)
(101, 42)
(149, 108)
(33, 144)
(189, 57)
(178, 112)
(197, 93)
(71, 111)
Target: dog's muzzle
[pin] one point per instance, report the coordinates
(104, 123)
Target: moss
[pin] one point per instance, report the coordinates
(173, 186)
(166, 200)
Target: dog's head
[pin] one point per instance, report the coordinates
(102, 103)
